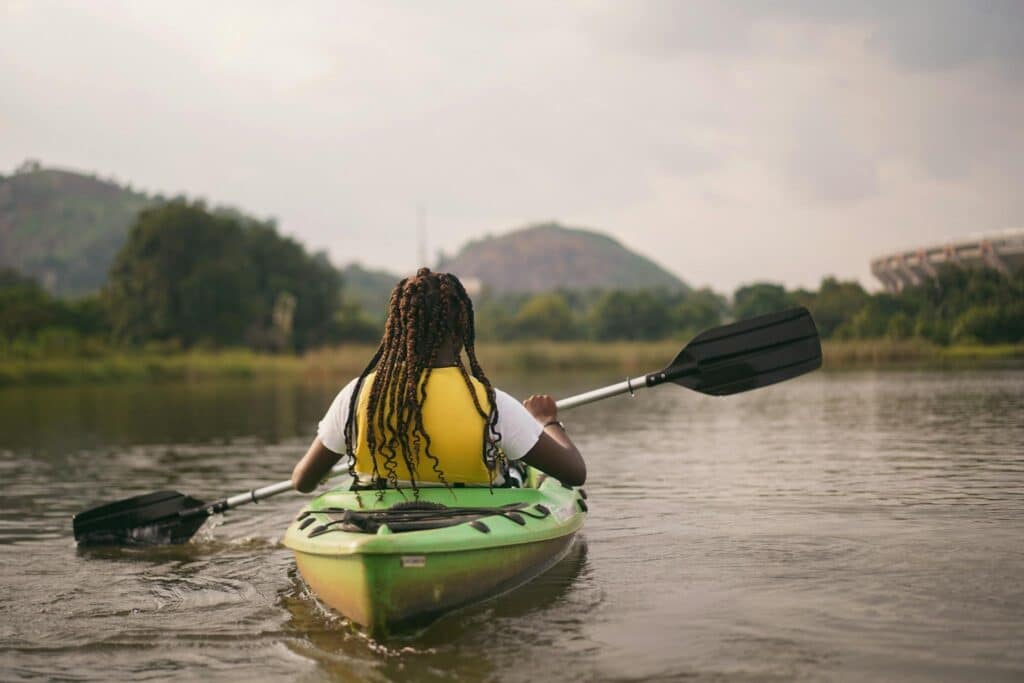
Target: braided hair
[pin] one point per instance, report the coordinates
(424, 312)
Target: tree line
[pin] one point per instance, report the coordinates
(960, 305)
(188, 277)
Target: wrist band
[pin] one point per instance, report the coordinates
(554, 422)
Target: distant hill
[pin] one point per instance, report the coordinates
(369, 289)
(550, 256)
(63, 228)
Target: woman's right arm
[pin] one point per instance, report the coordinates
(554, 453)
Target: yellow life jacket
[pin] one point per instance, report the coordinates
(455, 427)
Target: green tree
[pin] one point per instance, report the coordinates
(25, 307)
(284, 267)
(353, 324)
(872, 320)
(965, 304)
(990, 324)
(759, 299)
(631, 315)
(899, 326)
(835, 303)
(698, 310)
(545, 316)
(495, 315)
(196, 276)
(10, 278)
(182, 274)
(933, 328)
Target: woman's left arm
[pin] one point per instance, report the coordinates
(313, 466)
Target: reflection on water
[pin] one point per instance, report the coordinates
(842, 526)
(456, 642)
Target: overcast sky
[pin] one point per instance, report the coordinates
(728, 141)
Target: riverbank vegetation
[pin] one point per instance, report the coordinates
(337, 364)
(199, 293)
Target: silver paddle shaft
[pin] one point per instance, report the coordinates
(629, 386)
(264, 492)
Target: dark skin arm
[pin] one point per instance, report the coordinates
(554, 453)
(314, 466)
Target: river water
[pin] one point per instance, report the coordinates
(843, 526)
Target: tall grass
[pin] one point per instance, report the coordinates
(340, 363)
(511, 357)
(887, 353)
(142, 366)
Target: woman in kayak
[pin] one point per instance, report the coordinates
(417, 415)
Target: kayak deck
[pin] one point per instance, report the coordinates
(486, 542)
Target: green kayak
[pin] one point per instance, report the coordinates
(394, 563)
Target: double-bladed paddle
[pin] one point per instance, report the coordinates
(732, 358)
(724, 360)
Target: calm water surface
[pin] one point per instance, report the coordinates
(861, 526)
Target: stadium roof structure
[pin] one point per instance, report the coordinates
(1003, 251)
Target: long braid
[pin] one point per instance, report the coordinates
(384, 360)
(491, 435)
(435, 331)
(389, 385)
(424, 312)
(440, 328)
(351, 424)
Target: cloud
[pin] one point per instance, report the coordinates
(918, 34)
(743, 126)
(665, 28)
(946, 34)
(868, 82)
(824, 162)
(685, 159)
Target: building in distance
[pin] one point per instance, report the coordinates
(1003, 251)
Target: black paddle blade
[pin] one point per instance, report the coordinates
(150, 519)
(747, 354)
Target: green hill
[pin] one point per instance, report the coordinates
(63, 228)
(550, 256)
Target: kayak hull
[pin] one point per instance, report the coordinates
(376, 592)
(388, 582)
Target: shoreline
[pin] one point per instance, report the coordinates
(342, 362)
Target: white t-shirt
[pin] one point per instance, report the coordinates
(518, 428)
